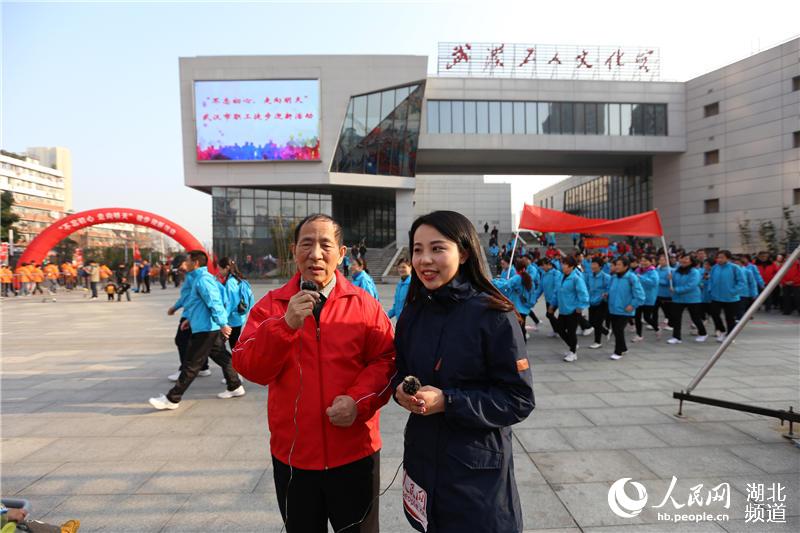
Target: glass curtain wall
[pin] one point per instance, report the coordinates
(380, 133)
(543, 118)
(251, 224)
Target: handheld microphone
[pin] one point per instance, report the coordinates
(309, 286)
(411, 385)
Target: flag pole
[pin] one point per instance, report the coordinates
(666, 256)
(513, 249)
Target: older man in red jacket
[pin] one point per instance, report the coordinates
(328, 358)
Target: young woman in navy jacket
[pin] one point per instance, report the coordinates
(461, 338)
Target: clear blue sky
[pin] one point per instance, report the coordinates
(102, 78)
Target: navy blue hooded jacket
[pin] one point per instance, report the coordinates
(462, 458)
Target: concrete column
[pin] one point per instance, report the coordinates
(404, 214)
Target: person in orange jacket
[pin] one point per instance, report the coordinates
(7, 281)
(22, 273)
(69, 275)
(51, 276)
(37, 277)
(105, 274)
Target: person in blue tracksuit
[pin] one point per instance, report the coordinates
(597, 283)
(401, 291)
(521, 290)
(346, 265)
(705, 288)
(361, 277)
(753, 286)
(206, 314)
(536, 276)
(625, 294)
(687, 293)
(572, 298)
(648, 277)
(184, 333)
(551, 281)
(504, 266)
(727, 283)
(664, 295)
(460, 337)
(239, 297)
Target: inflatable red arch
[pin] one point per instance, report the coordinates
(38, 249)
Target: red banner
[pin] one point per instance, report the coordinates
(534, 218)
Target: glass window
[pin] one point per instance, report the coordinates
(591, 120)
(625, 119)
(613, 119)
(274, 206)
(433, 116)
(494, 117)
(603, 122)
(637, 119)
(579, 118)
(483, 117)
(401, 93)
(458, 117)
(507, 117)
(567, 118)
(470, 117)
(300, 208)
(373, 110)
(348, 117)
(360, 115)
(246, 207)
(530, 118)
(519, 118)
(649, 119)
(387, 103)
(661, 119)
(261, 207)
(445, 117)
(543, 113)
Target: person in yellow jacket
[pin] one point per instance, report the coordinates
(7, 281)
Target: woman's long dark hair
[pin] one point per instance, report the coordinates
(527, 282)
(457, 228)
(226, 262)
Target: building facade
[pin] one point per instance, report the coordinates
(740, 170)
(39, 193)
(388, 139)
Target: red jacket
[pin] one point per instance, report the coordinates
(793, 275)
(352, 353)
(767, 271)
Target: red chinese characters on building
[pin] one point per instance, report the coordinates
(581, 59)
(642, 58)
(555, 60)
(495, 57)
(460, 54)
(531, 57)
(615, 62)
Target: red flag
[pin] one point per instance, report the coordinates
(137, 255)
(646, 224)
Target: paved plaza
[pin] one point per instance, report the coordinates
(80, 441)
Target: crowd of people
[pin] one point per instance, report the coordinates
(627, 286)
(30, 279)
